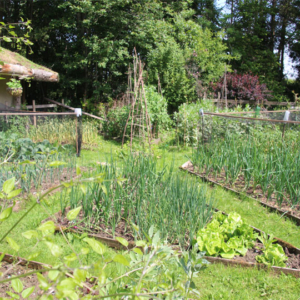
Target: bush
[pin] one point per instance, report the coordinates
(23, 148)
(187, 119)
(116, 121)
(243, 87)
(189, 123)
(158, 110)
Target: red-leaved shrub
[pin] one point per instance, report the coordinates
(242, 87)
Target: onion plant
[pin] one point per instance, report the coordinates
(262, 159)
(177, 206)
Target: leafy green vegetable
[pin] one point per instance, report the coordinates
(273, 256)
(228, 236)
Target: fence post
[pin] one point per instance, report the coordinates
(6, 108)
(78, 112)
(34, 110)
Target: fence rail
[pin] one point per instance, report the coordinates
(265, 103)
(72, 108)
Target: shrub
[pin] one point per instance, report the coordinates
(243, 87)
(187, 119)
(158, 110)
(116, 121)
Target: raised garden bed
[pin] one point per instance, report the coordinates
(285, 209)
(293, 253)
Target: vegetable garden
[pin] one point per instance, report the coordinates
(160, 220)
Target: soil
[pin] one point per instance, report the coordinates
(9, 271)
(99, 228)
(120, 231)
(293, 259)
(258, 194)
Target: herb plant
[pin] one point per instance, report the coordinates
(149, 270)
(178, 206)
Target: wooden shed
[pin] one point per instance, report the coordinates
(14, 65)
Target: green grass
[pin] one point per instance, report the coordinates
(227, 283)
(215, 282)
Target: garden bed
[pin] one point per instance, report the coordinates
(249, 260)
(257, 195)
(28, 281)
(12, 266)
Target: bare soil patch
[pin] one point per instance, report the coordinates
(97, 227)
(10, 270)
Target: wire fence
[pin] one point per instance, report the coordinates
(62, 128)
(208, 126)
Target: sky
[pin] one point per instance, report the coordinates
(289, 71)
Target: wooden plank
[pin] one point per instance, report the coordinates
(41, 106)
(261, 112)
(24, 262)
(252, 119)
(265, 103)
(72, 108)
(34, 110)
(38, 114)
(236, 262)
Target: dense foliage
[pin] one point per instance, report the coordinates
(184, 44)
(91, 47)
(75, 277)
(116, 122)
(19, 149)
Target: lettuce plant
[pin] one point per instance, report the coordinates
(229, 236)
(273, 254)
(226, 236)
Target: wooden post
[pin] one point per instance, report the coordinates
(18, 102)
(33, 109)
(6, 106)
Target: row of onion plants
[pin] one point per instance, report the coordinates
(139, 193)
(260, 160)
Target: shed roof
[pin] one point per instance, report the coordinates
(12, 63)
